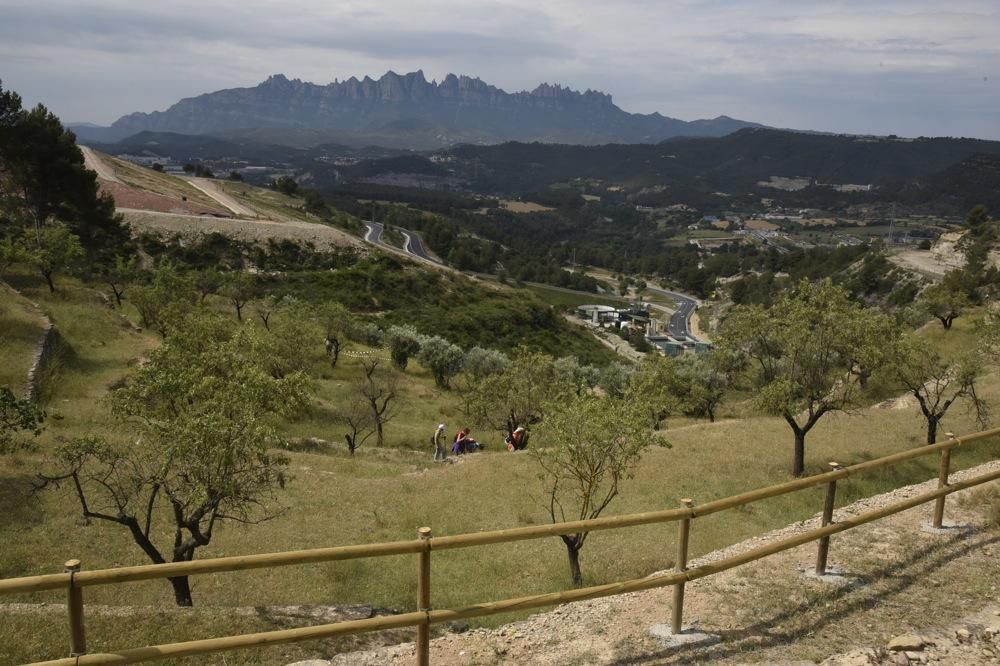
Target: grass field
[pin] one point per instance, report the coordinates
(385, 494)
(266, 203)
(19, 337)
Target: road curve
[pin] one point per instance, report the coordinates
(679, 325)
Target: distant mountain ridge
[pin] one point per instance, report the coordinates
(409, 111)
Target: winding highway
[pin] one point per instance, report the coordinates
(679, 325)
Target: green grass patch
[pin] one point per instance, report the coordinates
(21, 328)
(386, 494)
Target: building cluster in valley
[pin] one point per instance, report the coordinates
(640, 318)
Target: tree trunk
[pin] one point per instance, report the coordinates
(350, 444)
(239, 310)
(799, 465)
(48, 279)
(378, 431)
(711, 414)
(573, 552)
(182, 590)
(932, 426)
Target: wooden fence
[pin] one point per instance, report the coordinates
(74, 579)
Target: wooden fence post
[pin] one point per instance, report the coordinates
(77, 637)
(683, 530)
(824, 542)
(424, 598)
(943, 471)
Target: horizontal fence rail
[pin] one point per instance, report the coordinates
(74, 580)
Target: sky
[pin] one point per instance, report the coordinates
(906, 67)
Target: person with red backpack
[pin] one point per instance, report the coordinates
(518, 440)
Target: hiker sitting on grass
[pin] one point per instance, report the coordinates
(464, 443)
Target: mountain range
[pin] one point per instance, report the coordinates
(407, 111)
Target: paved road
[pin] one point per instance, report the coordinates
(415, 245)
(679, 325)
(374, 232)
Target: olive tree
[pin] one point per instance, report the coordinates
(404, 342)
(590, 445)
(700, 382)
(167, 298)
(799, 354)
(201, 417)
(442, 358)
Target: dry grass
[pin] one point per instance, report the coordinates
(156, 182)
(385, 494)
(523, 206)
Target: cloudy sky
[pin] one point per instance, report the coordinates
(907, 67)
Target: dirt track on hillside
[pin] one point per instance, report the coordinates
(322, 236)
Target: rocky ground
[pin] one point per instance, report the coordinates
(907, 594)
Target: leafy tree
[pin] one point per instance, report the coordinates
(336, 322)
(404, 342)
(17, 415)
(119, 274)
(570, 371)
(520, 395)
(936, 383)
(49, 248)
(11, 252)
(614, 379)
(208, 281)
(286, 185)
(799, 354)
(481, 363)
(944, 304)
(651, 385)
(204, 408)
(442, 358)
(43, 177)
(700, 382)
(378, 388)
(240, 288)
(168, 298)
(591, 445)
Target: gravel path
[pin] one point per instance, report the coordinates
(213, 190)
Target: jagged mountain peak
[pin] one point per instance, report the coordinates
(459, 108)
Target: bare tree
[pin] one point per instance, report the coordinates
(358, 416)
(378, 387)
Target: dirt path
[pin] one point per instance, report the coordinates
(322, 236)
(213, 190)
(770, 611)
(95, 163)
